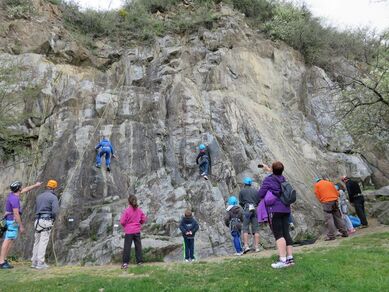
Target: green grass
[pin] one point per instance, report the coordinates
(359, 264)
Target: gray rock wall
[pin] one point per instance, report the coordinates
(250, 100)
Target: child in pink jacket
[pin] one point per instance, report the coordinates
(132, 220)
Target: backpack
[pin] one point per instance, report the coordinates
(235, 224)
(288, 193)
(3, 226)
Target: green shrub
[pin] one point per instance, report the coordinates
(55, 2)
(260, 9)
(19, 8)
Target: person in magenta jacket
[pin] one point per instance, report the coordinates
(132, 220)
(279, 215)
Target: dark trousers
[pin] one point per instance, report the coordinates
(359, 205)
(128, 239)
(189, 248)
(280, 227)
(333, 218)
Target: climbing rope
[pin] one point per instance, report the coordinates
(84, 151)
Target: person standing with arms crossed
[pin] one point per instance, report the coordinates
(47, 208)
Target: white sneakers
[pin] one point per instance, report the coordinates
(41, 266)
(279, 265)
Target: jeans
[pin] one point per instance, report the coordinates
(107, 153)
(128, 239)
(189, 248)
(204, 166)
(359, 205)
(236, 241)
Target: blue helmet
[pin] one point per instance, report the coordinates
(202, 147)
(232, 201)
(317, 179)
(337, 187)
(248, 181)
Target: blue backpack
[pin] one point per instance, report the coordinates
(354, 221)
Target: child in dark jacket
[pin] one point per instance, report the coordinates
(234, 219)
(132, 220)
(189, 227)
(204, 161)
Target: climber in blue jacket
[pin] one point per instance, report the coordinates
(104, 148)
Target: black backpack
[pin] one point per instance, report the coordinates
(288, 193)
(235, 224)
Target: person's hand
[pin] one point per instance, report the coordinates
(38, 184)
(266, 168)
(115, 156)
(21, 228)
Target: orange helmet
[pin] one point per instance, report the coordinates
(52, 184)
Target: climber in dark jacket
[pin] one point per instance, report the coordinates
(204, 161)
(104, 148)
(189, 227)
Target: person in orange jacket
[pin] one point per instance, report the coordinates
(327, 195)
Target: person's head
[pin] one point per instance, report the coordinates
(232, 201)
(188, 213)
(202, 147)
(52, 184)
(247, 181)
(344, 179)
(132, 200)
(317, 179)
(277, 168)
(16, 186)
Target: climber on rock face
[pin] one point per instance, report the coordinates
(204, 161)
(104, 148)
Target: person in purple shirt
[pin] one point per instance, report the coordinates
(278, 215)
(13, 210)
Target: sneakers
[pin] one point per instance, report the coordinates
(108, 168)
(345, 234)
(205, 177)
(98, 166)
(124, 266)
(187, 260)
(290, 261)
(34, 264)
(6, 265)
(256, 249)
(246, 249)
(41, 266)
(279, 265)
(238, 253)
(363, 226)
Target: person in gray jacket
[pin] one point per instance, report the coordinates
(248, 199)
(47, 208)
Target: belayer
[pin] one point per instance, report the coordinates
(204, 161)
(104, 148)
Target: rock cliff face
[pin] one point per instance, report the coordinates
(248, 99)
